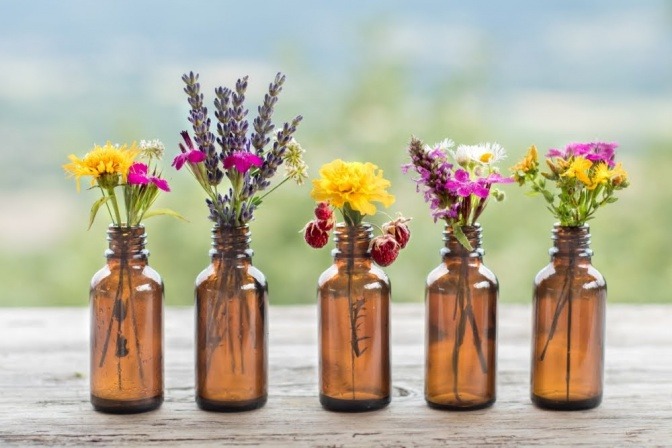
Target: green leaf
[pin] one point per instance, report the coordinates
(94, 209)
(461, 237)
(164, 212)
(256, 201)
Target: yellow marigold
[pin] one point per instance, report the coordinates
(618, 175)
(105, 164)
(354, 183)
(579, 168)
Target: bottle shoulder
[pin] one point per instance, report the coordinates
(449, 272)
(245, 273)
(138, 272)
(371, 275)
(582, 272)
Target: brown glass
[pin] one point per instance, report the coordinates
(231, 326)
(353, 307)
(126, 299)
(568, 332)
(461, 327)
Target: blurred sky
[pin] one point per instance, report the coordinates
(78, 72)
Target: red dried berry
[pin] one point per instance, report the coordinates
(326, 224)
(384, 249)
(323, 212)
(399, 231)
(314, 236)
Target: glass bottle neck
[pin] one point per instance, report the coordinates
(455, 249)
(126, 243)
(231, 242)
(352, 241)
(570, 242)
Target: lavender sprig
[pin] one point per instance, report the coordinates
(262, 124)
(274, 158)
(249, 172)
(198, 117)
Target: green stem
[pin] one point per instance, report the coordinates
(273, 189)
(115, 206)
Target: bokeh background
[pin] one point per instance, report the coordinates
(366, 76)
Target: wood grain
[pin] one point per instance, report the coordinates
(44, 389)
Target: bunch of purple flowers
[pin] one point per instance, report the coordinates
(457, 182)
(244, 160)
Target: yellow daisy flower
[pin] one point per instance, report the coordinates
(579, 169)
(105, 164)
(357, 184)
(601, 175)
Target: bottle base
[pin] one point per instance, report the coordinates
(230, 406)
(125, 406)
(460, 407)
(338, 405)
(564, 405)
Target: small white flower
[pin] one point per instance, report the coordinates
(295, 167)
(485, 153)
(152, 148)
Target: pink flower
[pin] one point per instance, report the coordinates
(462, 185)
(496, 178)
(189, 154)
(242, 161)
(137, 175)
(193, 156)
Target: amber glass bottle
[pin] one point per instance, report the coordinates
(126, 299)
(354, 304)
(568, 333)
(461, 327)
(231, 326)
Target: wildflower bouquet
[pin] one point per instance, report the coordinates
(352, 188)
(243, 159)
(586, 178)
(111, 166)
(457, 182)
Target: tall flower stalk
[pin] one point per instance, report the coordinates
(457, 183)
(586, 178)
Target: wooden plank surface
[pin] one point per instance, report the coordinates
(44, 389)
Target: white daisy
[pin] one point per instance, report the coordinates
(485, 153)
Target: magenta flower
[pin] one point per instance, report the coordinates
(593, 151)
(137, 175)
(461, 185)
(496, 178)
(242, 161)
(189, 154)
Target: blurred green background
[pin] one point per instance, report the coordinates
(366, 76)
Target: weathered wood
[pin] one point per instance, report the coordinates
(44, 389)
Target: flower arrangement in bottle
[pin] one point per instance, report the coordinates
(569, 293)
(461, 293)
(354, 294)
(235, 168)
(126, 295)
(243, 159)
